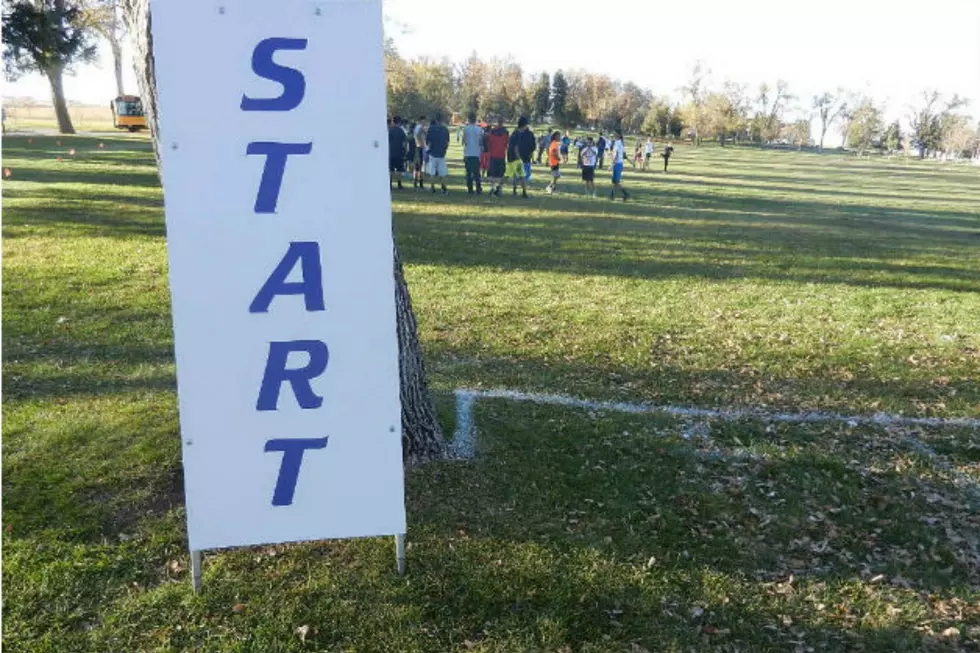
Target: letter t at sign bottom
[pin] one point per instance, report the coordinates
(292, 457)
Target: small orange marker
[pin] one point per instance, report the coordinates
(60, 159)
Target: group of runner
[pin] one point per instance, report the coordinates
(500, 155)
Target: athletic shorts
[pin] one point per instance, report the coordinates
(515, 168)
(555, 172)
(617, 172)
(563, 149)
(396, 163)
(496, 168)
(646, 156)
(588, 173)
(436, 167)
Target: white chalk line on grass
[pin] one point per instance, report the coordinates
(464, 438)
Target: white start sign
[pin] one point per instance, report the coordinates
(274, 158)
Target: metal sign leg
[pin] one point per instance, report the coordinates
(196, 571)
(400, 553)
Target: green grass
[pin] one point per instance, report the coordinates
(744, 278)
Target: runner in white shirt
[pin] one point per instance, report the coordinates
(589, 156)
(647, 152)
(618, 159)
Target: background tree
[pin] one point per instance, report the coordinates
(559, 98)
(958, 136)
(927, 120)
(725, 113)
(630, 106)
(771, 104)
(657, 119)
(422, 438)
(46, 36)
(504, 97)
(798, 132)
(597, 99)
(696, 91)
(541, 98)
(893, 139)
(472, 81)
(828, 107)
(103, 18)
(867, 127)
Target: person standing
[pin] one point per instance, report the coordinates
(666, 155)
(497, 151)
(589, 157)
(600, 147)
(618, 154)
(638, 154)
(566, 141)
(397, 145)
(472, 150)
(411, 153)
(485, 155)
(554, 162)
(647, 152)
(418, 164)
(520, 149)
(437, 140)
(542, 146)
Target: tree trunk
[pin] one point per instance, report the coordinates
(117, 63)
(58, 99)
(422, 439)
(823, 133)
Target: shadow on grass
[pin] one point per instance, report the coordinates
(681, 233)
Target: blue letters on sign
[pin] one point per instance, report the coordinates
(292, 457)
(292, 80)
(311, 287)
(276, 373)
(275, 167)
(307, 254)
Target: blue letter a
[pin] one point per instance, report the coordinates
(311, 287)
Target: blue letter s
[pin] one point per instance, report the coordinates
(292, 80)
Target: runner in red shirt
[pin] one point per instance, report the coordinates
(497, 150)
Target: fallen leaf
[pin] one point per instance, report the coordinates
(238, 608)
(7, 172)
(303, 631)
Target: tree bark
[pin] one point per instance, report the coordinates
(58, 100)
(422, 438)
(117, 63)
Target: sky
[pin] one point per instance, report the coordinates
(876, 46)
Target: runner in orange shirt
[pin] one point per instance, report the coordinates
(554, 160)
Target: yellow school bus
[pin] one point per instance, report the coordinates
(127, 113)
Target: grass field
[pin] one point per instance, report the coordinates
(35, 118)
(742, 279)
